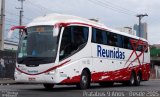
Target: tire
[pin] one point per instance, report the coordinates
(48, 86)
(84, 81)
(138, 79)
(106, 84)
(132, 79)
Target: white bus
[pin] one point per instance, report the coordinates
(63, 49)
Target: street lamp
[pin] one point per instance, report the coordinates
(21, 15)
(140, 16)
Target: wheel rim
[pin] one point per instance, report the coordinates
(84, 80)
(138, 79)
(132, 80)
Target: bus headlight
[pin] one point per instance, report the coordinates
(17, 72)
(51, 72)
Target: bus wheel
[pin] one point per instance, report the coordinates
(48, 86)
(132, 79)
(84, 81)
(138, 80)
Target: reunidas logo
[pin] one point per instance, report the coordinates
(116, 54)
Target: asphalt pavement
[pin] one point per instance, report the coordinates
(149, 88)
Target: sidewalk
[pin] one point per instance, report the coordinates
(6, 81)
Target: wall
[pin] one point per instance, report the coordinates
(7, 64)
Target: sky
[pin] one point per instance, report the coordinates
(112, 13)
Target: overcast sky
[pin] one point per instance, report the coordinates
(113, 13)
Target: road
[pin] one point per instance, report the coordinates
(147, 89)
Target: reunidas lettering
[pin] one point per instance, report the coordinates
(110, 53)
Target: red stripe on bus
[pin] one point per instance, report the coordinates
(117, 75)
(50, 69)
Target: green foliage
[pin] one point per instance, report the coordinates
(155, 52)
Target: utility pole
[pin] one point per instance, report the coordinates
(140, 16)
(20, 15)
(2, 11)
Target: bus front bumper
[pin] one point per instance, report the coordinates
(41, 78)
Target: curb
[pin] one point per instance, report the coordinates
(7, 82)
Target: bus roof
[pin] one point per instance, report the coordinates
(52, 19)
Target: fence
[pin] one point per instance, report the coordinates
(7, 64)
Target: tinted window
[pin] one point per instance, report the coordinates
(94, 35)
(112, 39)
(120, 41)
(126, 43)
(97, 36)
(139, 48)
(105, 37)
(74, 38)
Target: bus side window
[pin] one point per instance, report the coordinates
(85, 33)
(80, 36)
(127, 44)
(98, 36)
(139, 48)
(93, 35)
(119, 41)
(112, 39)
(105, 37)
(65, 48)
(73, 40)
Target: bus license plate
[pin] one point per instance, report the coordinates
(32, 79)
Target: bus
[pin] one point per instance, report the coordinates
(58, 49)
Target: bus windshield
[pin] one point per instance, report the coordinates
(39, 46)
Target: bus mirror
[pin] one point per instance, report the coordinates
(55, 31)
(16, 27)
(10, 34)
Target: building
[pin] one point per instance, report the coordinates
(10, 45)
(128, 30)
(144, 31)
(155, 61)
